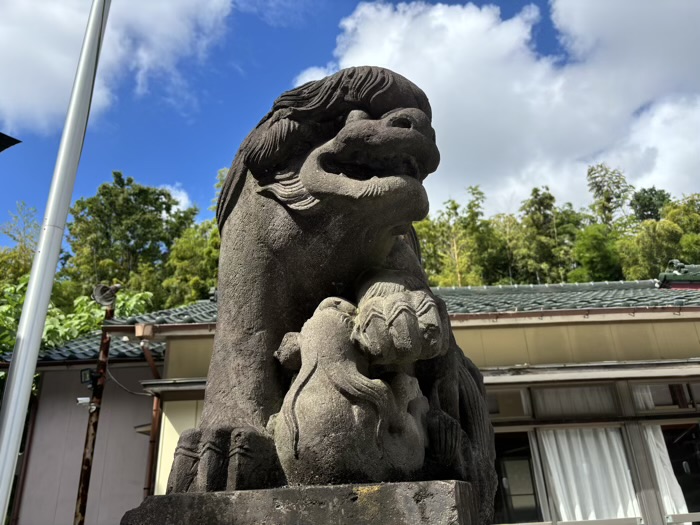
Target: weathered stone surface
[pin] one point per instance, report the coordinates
(415, 503)
(333, 361)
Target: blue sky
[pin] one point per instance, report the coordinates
(524, 94)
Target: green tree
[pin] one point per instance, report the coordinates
(460, 247)
(647, 203)
(535, 253)
(193, 264)
(122, 230)
(510, 234)
(23, 230)
(645, 254)
(429, 240)
(686, 214)
(569, 223)
(454, 246)
(86, 315)
(220, 179)
(596, 252)
(610, 192)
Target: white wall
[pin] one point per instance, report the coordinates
(119, 464)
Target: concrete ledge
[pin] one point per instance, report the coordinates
(412, 503)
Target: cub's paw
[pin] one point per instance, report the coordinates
(401, 327)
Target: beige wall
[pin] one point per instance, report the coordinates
(579, 343)
(188, 356)
(500, 346)
(177, 417)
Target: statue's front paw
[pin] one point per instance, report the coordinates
(224, 458)
(402, 327)
(253, 461)
(186, 462)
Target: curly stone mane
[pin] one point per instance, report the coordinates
(304, 117)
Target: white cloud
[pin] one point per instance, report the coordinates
(41, 43)
(508, 118)
(314, 73)
(179, 194)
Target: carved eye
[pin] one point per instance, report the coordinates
(357, 114)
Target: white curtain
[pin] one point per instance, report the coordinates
(587, 467)
(589, 474)
(670, 490)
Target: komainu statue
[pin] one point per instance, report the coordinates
(333, 361)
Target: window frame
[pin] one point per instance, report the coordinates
(630, 422)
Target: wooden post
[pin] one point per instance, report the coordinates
(93, 420)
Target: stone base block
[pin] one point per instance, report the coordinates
(413, 503)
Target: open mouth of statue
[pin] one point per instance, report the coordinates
(360, 166)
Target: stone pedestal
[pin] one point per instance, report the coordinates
(413, 503)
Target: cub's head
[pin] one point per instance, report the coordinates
(361, 138)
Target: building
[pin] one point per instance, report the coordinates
(48, 469)
(594, 391)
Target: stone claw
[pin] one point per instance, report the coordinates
(224, 458)
(185, 463)
(404, 326)
(253, 461)
(213, 453)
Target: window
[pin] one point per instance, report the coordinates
(574, 402)
(675, 452)
(695, 393)
(516, 499)
(583, 459)
(509, 404)
(662, 397)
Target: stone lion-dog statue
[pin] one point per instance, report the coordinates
(333, 361)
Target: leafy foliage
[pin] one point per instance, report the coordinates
(120, 231)
(647, 203)
(610, 191)
(86, 315)
(460, 247)
(193, 264)
(624, 235)
(596, 251)
(220, 179)
(23, 230)
(646, 253)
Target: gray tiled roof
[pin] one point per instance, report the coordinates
(495, 299)
(199, 312)
(87, 348)
(465, 300)
(582, 296)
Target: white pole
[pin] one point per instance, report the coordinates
(31, 324)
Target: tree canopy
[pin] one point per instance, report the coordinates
(622, 234)
(124, 234)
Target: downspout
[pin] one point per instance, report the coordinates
(148, 488)
(146, 332)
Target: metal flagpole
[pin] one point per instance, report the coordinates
(31, 324)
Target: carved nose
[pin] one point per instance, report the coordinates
(411, 118)
(402, 122)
